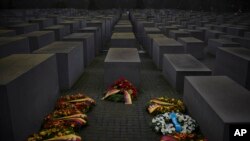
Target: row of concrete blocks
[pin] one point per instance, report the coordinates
(31, 83)
(162, 45)
(123, 36)
(203, 95)
(156, 47)
(213, 44)
(185, 18)
(40, 75)
(209, 31)
(37, 39)
(213, 95)
(73, 24)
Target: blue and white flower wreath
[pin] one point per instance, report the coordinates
(170, 122)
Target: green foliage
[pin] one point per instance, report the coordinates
(116, 98)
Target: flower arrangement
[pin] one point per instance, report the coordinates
(73, 124)
(80, 101)
(121, 91)
(55, 134)
(66, 117)
(164, 123)
(162, 105)
(69, 116)
(183, 137)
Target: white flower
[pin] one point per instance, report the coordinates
(163, 123)
(157, 128)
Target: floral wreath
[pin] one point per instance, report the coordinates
(79, 101)
(162, 105)
(121, 91)
(55, 134)
(183, 137)
(67, 118)
(171, 123)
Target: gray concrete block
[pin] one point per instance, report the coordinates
(124, 40)
(178, 33)
(213, 34)
(213, 45)
(101, 25)
(59, 30)
(43, 22)
(247, 35)
(38, 39)
(70, 61)
(24, 28)
(7, 33)
(13, 45)
(244, 42)
(193, 46)
(122, 62)
(56, 19)
(88, 45)
(199, 34)
(222, 28)
(123, 28)
(73, 25)
(216, 101)
(237, 31)
(166, 29)
(162, 46)
(177, 66)
(231, 38)
(149, 42)
(235, 63)
(29, 90)
(108, 28)
(97, 34)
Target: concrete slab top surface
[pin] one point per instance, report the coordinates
(95, 22)
(185, 62)
(238, 28)
(37, 33)
(167, 42)
(148, 29)
(238, 51)
(123, 25)
(230, 36)
(79, 36)
(146, 22)
(69, 22)
(156, 36)
(179, 31)
(228, 99)
(39, 19)
(2, 31)
(59, 47)
(215, 31)
(7, 40)
(223, 41)
(193, 30)
(170, 27)
(122, 55)
(203, 28)
(90, 28)
(190, 40)
(123, 35)
(15, 65)
(55, 27)
(22, 25)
